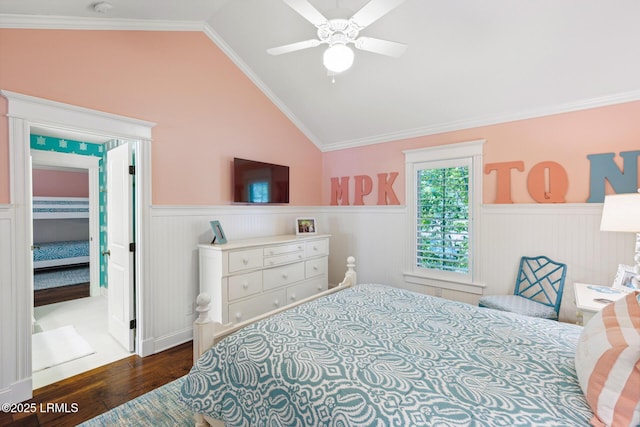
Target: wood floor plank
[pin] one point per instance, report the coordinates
(101, 389)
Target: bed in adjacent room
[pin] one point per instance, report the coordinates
(60, 257)
(374, 355)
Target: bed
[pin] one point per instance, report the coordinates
(60, 260)
(60, 207)
(374, 355)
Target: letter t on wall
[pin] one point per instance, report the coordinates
(503, 178)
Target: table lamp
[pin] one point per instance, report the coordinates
(621, 212)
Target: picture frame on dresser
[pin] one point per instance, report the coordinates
(624, 278)
(218, 234)
(306, 226)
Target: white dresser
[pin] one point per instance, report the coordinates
(246, 278)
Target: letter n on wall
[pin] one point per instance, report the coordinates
(603, 168)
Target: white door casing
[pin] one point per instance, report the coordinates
(119, 235)
(23, 113)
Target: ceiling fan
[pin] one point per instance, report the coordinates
(339, 33)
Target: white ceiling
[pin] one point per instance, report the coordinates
(468, 62)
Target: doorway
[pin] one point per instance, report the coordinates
(70, 299)
(25, 113)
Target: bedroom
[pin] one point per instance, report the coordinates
(208, 111)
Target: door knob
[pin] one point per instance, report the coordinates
(107, 252)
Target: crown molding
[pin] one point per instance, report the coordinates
(46, 22)
(487, 121)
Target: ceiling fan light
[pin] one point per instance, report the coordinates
(338, 58)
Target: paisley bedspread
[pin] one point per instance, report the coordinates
(380, 356)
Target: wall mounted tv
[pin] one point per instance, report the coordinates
(259, 182)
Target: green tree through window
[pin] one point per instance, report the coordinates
(443, 219)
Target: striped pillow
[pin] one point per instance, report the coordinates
(608, 363)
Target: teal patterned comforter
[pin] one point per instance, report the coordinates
(379, 356)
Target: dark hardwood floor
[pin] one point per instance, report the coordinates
(60, 294)
(99, 390)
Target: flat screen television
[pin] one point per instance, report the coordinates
(259, 182)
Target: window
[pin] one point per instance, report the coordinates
(442, 217)
(443, 197)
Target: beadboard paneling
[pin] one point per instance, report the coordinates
(7, 311)
(566, 233)
(176, 232)
(376, 236)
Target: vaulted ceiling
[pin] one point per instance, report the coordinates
(468, 62)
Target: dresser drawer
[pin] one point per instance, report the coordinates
(304, 290)
(244, 285)
(317, 248)
(283, 249)
(255, 306)
(283, 259)
(316, 267)
(245, 260)
(280, 276)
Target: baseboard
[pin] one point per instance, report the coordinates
(17, 392)
(168, 341)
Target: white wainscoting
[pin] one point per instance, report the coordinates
(175, 234)
(8, 369)
(568, 233)
(377, 236)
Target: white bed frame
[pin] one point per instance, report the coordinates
(207, 333)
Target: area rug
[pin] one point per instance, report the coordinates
(51, 348)
(47, 279)
(159, 407)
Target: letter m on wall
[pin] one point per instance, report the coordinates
(603, 168)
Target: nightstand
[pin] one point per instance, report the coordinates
(586, 297)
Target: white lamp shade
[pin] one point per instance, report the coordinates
(621, 212)
(338, 58)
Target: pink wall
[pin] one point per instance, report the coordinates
(53, 183)
(207, 111)
(563, 138)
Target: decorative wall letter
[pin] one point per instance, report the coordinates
(604, 168)
(340, 190)
(364, 185)
(548, 182)
(386, 195)
(503, 178)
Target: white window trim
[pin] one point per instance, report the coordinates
(464, 150)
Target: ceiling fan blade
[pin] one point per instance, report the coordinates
(308, 12)
(383, 47)
(373, 11)
(293, 47)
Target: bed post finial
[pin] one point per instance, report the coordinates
(202, 307)
(350, 275)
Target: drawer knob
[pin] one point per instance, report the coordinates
(271, 262)
(315, 267)
(271, 252)
(245, 285)
(285, 275)
(300, 256)
(315, 248)
(238, 316)
(245, 261)
(276, 303)
(319, 287)
(293, 297)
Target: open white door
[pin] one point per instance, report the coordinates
(119, 236)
